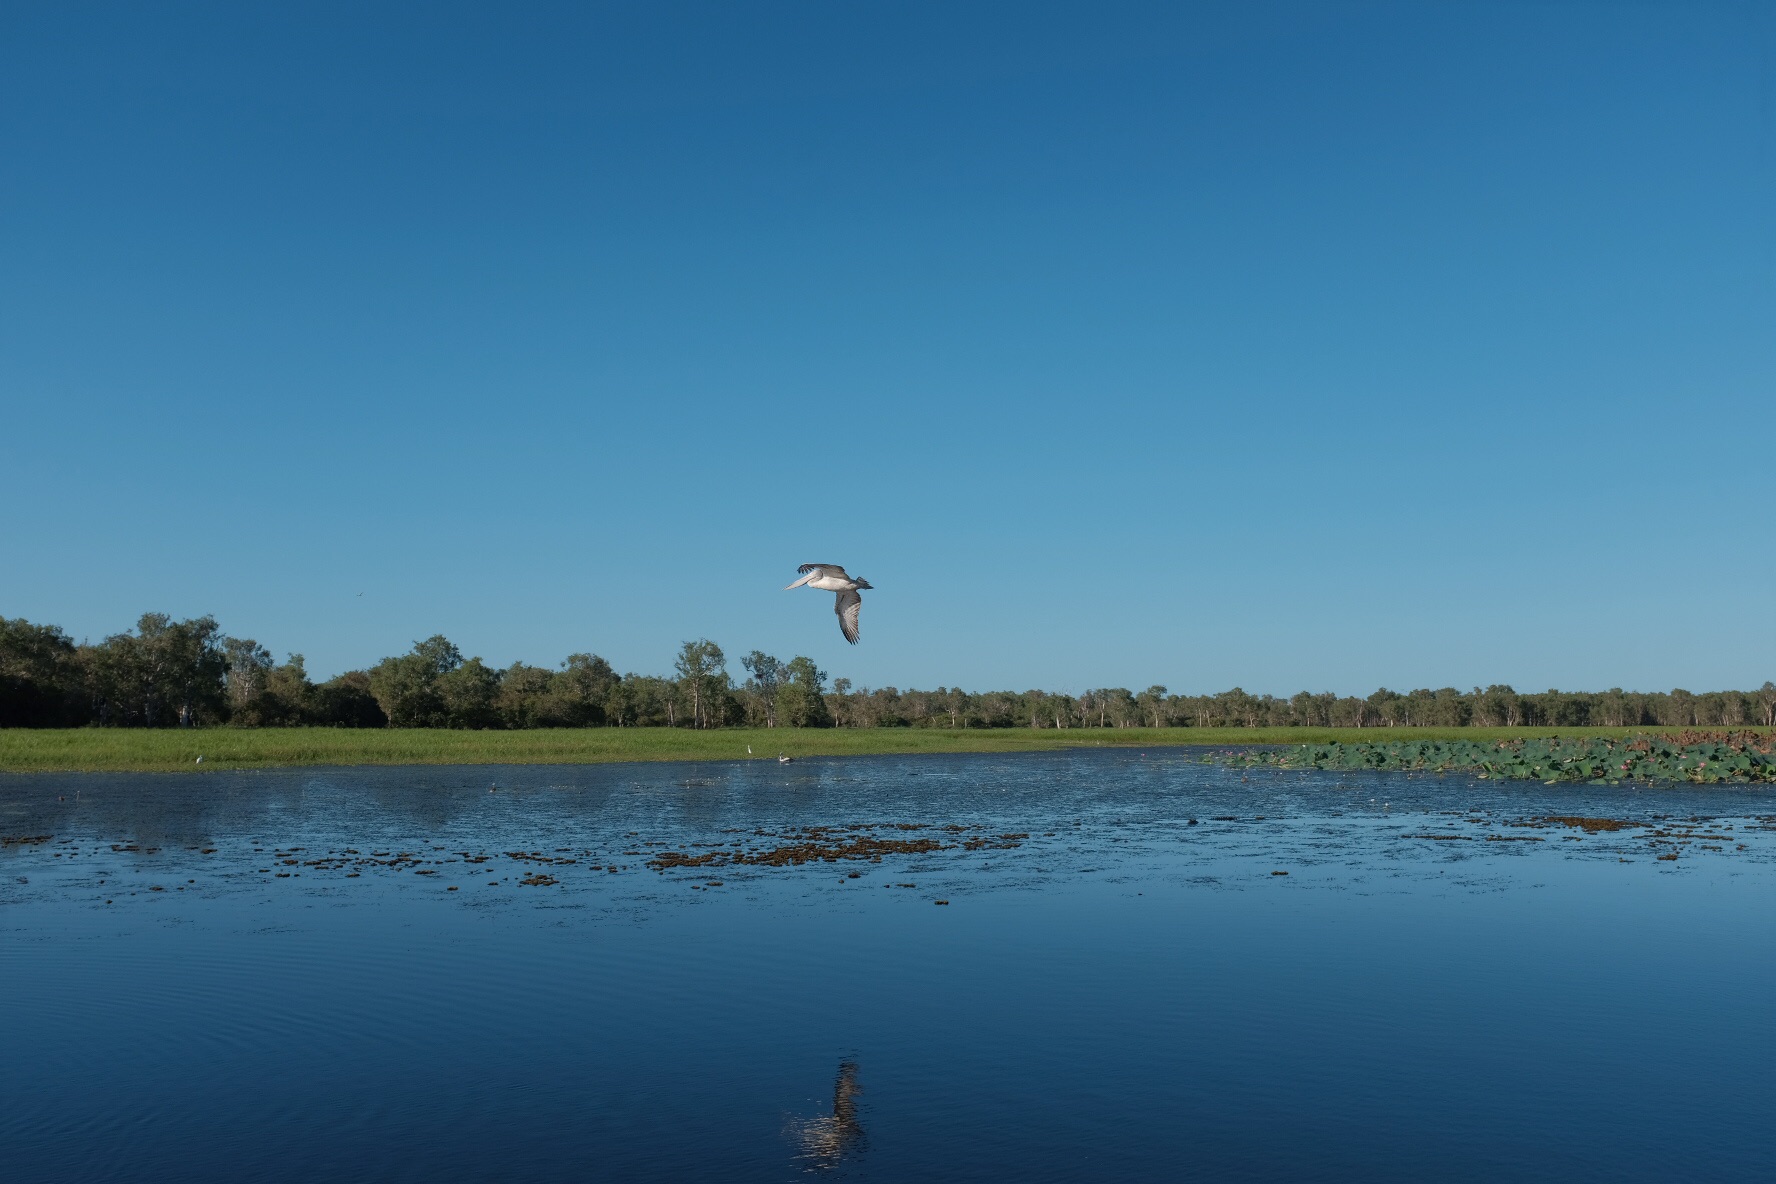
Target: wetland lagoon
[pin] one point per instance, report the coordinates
(1102, 964)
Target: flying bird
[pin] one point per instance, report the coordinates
(830, 577)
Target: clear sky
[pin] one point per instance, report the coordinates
(1315, 345)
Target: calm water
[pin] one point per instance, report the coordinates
(1120, 995)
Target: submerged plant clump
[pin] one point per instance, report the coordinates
(1703, 757)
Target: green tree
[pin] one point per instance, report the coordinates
(838, 702)
(40, 683)
(527, 698)
(284, 695)
(1238, 708)
(166, 673)
(801, 700)
(188, 663)
(1152, 704)
(469, 693)
(953, 702)
(1498, 706)
(583, 689)
(1118, 707)
(767, 676)
(1680, 709)
(287, 685)
(642, 700)
(1387, 707)
(248, 665)
(406, 688)
(346, 702)
(1047, 710)
(702, 674)
(1351, 712)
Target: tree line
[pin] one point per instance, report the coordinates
(167, 673)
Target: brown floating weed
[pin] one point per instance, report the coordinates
(817, 848)
(1742, 741)
(1591, 826)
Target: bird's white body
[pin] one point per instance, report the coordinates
(830, 577)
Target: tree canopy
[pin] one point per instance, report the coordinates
(167, 673)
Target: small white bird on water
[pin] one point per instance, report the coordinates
(830, 577)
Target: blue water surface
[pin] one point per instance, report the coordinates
(305, 975)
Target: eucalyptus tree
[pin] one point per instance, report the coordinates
(167, 672)
(1389, 707)
(1152, 703)
(702, 673)
(280, 695)
(1306, 710)
(1046, 709)
(1117, 707)
(526, 697)
(997, 709)
(643, 700)
(1680, 709)
(248, 664)
(583, 688)
(470, 692)
(40, 681)
(1237, 707)
(406, 688)
(768, 674)
(801, 699)
(345, 701)
(1498, 706)
(187, 664)
(838, 702)
(953, 701)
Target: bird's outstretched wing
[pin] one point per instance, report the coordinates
(805, 568)
(848, 605)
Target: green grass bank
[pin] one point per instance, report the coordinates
(24, 750)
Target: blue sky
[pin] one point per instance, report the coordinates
(1292, 346)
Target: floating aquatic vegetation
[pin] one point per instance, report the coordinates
(1702, 757)
(809, 845)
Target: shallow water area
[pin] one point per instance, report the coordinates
(1059, 966)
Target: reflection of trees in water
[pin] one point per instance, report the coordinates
(825, 1141)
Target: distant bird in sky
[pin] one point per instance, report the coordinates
(830, 577)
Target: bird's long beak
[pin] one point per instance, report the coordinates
(801, 581)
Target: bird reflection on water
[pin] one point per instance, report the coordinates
(825, 1141)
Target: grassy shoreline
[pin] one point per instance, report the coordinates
(120, 750)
